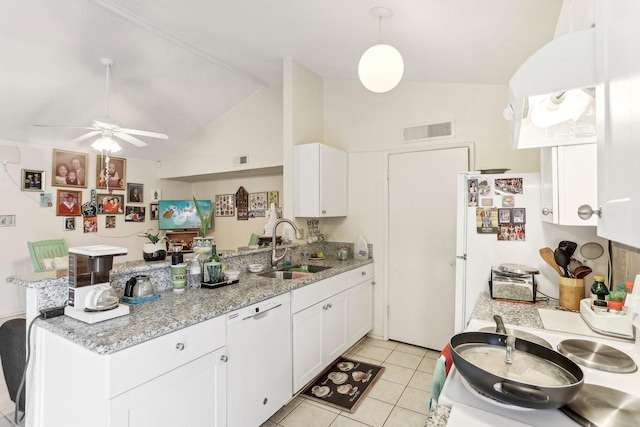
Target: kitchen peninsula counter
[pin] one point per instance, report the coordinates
(524, 315)
(172, 311)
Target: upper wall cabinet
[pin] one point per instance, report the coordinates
(569, 180)
(320, 181)
(618, 119)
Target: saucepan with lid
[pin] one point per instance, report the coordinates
(516, 371)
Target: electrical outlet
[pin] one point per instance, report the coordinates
(7, 220)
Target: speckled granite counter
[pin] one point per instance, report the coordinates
(171, 311)
(515, 314)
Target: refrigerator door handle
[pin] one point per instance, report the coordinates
(464, 257)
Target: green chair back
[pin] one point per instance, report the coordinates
(44, 252)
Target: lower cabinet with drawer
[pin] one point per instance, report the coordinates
(175, 379)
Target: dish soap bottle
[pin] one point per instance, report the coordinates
(360, 248)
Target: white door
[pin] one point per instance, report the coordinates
(422, 244)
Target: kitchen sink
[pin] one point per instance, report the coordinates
(285, 274)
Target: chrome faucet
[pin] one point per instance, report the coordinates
(274, 257)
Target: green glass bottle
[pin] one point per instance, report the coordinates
(599, 290)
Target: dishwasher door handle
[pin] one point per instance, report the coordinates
(257, 316)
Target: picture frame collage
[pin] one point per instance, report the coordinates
(257, 204)
(504, 218)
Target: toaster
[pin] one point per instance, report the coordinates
(513, 282)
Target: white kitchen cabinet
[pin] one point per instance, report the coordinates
(569, 180)
(320, 327)
(320, 181)
(175, 379)
(360, 302)
(618, 120)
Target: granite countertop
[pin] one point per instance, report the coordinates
(513, 313)
(173, 311)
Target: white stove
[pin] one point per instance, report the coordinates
(466, 402)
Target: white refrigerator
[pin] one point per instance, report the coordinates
(478, 248)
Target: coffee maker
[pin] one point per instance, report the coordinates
(91, 297)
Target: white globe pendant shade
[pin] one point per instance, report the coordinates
(381, 68)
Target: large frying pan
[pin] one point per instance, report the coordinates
(538, 378)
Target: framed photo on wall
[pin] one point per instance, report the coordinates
(110, 203)
(135, 193)
(112, 174)
(32, 180)
(70, 224)
(153, 212)
(68, 203)
(134, 213)
(69, 169)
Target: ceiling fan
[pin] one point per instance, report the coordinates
(107, 128)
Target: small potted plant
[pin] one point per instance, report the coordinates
(156, 248)
(203, 243)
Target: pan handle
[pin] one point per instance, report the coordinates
(520, 392)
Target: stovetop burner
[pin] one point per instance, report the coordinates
(604, 407)
(596, 355)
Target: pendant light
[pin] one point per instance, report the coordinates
(381, 67)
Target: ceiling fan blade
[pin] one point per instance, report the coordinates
(85, 136)
(145, 133)
(65, 127)
(130, 139)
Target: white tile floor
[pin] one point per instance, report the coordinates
(400, 398)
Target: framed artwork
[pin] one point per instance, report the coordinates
(46, 200)
(487, 201)
(68, 203)
(135, 193)
(507, 201)
(272, 197)
(258, 201)
(110, 203)
(110, 221)
(134, 213)
(155, 194)
(69, 169)
(112, 174)
(70, 224)
(225, 205)
(90, 224)
(32, 180)
(519, 215)
(504, 216)
(153, 212)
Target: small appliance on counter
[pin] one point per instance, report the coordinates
(91, 297)
(514, 282)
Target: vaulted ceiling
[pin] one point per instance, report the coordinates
(179, 65)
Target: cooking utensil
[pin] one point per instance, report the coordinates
(138, 287)
(101, 299)
(501, 329)
(591, 250)
(548, 256)
(582, 271)
(538, 377)
(562, 260)
(568, 246)
(573, 264)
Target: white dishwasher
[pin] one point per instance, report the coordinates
(259, 366)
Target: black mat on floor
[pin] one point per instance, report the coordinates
(344, 384)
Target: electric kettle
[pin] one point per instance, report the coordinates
(138, 287)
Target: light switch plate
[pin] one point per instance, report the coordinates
(7, 220)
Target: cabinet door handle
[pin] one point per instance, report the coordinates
(546, 211)
(324, 211)
(325, 307)
(224, 358)
(373, 282)
(364, 273)
(180, 346)
(330, 305)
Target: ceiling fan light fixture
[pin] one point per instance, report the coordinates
(381, 66)
(106, 144)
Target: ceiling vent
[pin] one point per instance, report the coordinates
(428, 132)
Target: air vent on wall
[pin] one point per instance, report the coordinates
(428, 131)
(241, 160)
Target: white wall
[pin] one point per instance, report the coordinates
(253, 128)
(34, 223)
(369, 126)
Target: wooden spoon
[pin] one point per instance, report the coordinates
(582, 271)
(548, 256)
